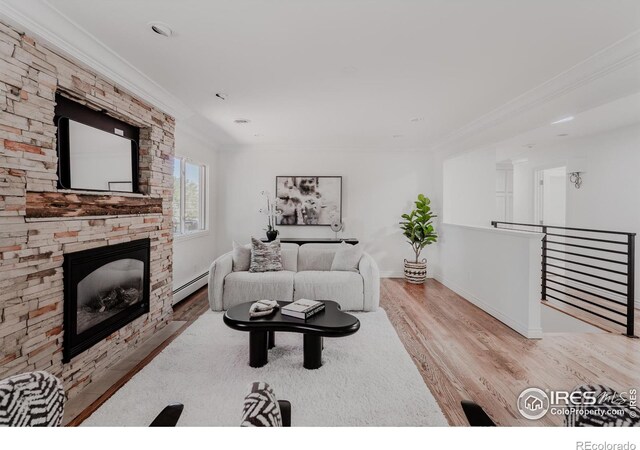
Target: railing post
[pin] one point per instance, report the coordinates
(494, 223)
(544, 264)
(631, 284)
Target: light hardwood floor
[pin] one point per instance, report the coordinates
(464, 353)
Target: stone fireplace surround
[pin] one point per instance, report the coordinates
(39, 224)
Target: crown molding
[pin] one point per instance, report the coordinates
(604, 62)
(286, 148)
(80, 45)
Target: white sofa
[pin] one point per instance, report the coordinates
(307, 274)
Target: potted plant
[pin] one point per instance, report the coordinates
(417, 227)
(272, 214)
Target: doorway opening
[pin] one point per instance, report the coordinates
(551, 196)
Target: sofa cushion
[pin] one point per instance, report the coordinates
(316, 256)
(289, 256)
(240, 287)
(265, 256)
(347, 257)
(241, 255)
(346, 288)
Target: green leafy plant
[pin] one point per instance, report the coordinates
(417, 226)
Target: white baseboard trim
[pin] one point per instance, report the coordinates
(397, 274)
(523, 329)
(189, 288)
(391, 274)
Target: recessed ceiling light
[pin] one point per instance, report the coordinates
(242, 121)
(161, 29)
(396, 136)
(221, 95)
(562, 134)
(417, 119)
(563, 120)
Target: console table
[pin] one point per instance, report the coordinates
(301, 241)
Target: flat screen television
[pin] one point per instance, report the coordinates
(96, 152)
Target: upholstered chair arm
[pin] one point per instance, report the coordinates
(285, 411)
(219, 269)
(371, 278)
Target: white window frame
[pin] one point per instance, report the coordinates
(204, 177)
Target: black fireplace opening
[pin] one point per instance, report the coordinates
(105, 288)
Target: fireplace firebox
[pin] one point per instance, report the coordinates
(105, 288)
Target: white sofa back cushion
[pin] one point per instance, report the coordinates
(241, 255)
(289, 256)
(347, 258)
(316, 256)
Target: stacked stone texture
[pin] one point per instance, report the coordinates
(32, 247)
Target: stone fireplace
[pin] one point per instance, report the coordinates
(41, 226)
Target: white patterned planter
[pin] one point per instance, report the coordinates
(415, 272)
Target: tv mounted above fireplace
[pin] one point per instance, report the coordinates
(105, 288)
(96, 152)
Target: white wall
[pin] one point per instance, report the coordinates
(497, 270)
(377, 188)
(469, 188)
(609, 196)
(554, 321)
(192, 255)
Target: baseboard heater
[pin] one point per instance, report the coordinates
(189, 283)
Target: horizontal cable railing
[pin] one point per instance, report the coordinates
(590, 270)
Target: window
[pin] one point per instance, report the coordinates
(189, 192)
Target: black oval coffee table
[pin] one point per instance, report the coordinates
(332, 322)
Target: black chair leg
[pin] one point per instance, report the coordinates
(169, 416)
(476, 415)
(285, 410)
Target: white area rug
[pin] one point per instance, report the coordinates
(366, 379)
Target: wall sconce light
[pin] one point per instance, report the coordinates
(576, 168)
(576, 179)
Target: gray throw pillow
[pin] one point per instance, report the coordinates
(265, 256)
(347, 258)
(241, 256)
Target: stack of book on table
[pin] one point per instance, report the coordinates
(302, 309)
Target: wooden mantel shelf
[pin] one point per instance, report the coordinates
(65, 204)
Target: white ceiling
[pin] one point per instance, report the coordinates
(616, 114)
(345, 73)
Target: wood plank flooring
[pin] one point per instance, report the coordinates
(464, 353)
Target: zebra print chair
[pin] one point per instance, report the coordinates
(262, 409)
(34, 399)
